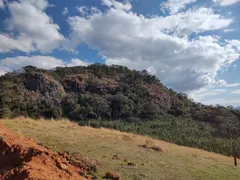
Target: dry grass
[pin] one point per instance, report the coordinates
(150, 144)
(172, 162)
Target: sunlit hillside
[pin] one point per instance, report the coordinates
(154, 159)
(119, 98)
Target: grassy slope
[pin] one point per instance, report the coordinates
(174, 162)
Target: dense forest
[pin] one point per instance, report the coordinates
(119, 98)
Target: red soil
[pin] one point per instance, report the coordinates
(22, 158)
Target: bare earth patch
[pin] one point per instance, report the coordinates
(22, 158)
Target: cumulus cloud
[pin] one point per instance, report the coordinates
(226, 2)
(160, 44)
(82, 10)
(174, 6)
(225, 102)
(4, 70)
(206, 93)
(232, 85)
(190, 21)
(213, 92)
(65, 11)
(86, 11)
(211, 95)
(236, 91)
(77, 62)
(8, 43)
(33, 28)
(117, 5)
(45, 62)
(229, 30)
(1, 4)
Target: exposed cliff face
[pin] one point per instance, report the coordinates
(74, 84)
(43, 83)
(103, 86)
(159, 95)
(83, 82)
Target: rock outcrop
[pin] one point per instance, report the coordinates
(45, 84)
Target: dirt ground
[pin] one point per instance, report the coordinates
(21, 158)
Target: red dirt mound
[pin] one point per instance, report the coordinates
(22, 158)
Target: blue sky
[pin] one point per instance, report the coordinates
(193, 46)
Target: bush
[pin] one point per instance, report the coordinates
(5, 113)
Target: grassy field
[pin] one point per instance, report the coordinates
(169, 162)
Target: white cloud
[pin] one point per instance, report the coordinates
(4, 70)
(65, 11)
(117, 5)
(192, 21)
(77, 62)
(174, 6)
(1, 4)
(159, 44)
(232, 85)
(206, 93)
(39, 4)
(223, 101)
(151, 70)
(234, 43)
(221, 82)
(213, 92)
(45, 62)
(94, 10)
(83, 10)
(229, 30)
(236, 91)
(211, 96)
(226, 2)
(29, 21)
(8, 43)
(185, 23)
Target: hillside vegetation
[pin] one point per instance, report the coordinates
(119, 98)
(112, 150)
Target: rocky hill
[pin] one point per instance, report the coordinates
(105, 95)
(97, 91)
